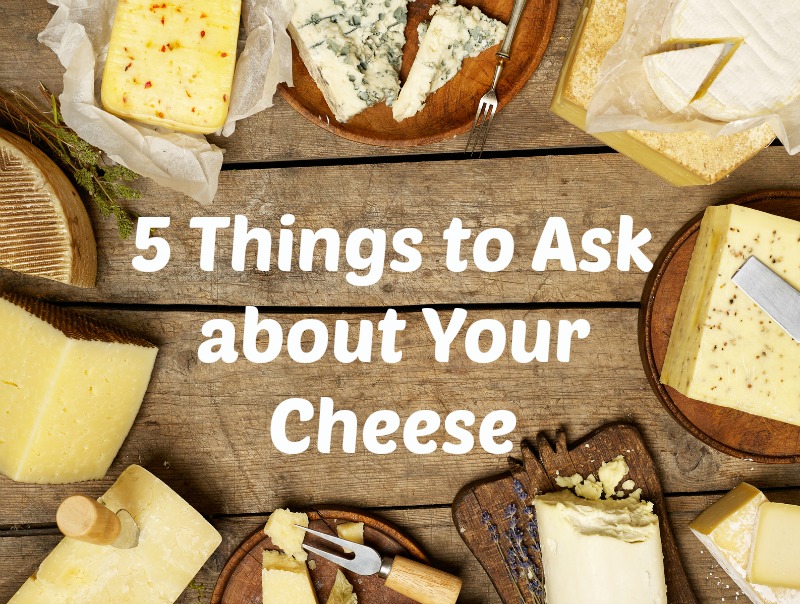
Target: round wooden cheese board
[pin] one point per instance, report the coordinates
(451, 109)
(728, 430)
(240, 580)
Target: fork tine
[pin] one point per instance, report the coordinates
(477, 125)
(487, 127)
(345, 563)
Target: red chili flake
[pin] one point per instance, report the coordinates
(169, 46)
(148, 84)
(162, 20)
(223, 54)
(128, 66)
(203, 34)
(203, 16)
(124, 98)
(192, 109)
(160, 114)
(225, 97)
(164, 5)
(163, 49)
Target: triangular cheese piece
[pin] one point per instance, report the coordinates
(454, 34)
(677, 75)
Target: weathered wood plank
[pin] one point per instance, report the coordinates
(206, 428)
(431, 527)
(515, 194)
(280, 133)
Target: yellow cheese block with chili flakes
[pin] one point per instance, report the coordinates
(171, 63)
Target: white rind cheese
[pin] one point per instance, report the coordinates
(604, 552)
(677, 75)
(724, 349)
(454, 34)
(353, 49)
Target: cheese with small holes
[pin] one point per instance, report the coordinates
(285, 580)
(174, 543)
(454, 33)
(602, 551)
(282, 529)
(171, 63)
(70, 389)
(724, 349)
(775, 557)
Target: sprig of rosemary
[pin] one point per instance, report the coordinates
(104, 183)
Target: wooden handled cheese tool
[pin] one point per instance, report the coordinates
(421, 583)
(85, 519)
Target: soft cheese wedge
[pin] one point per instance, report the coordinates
(174, 543)
(70, 390)
(171, 63)
(285, 580)
(353, 50)
(454, 34)
(602, 551)
(724, 349)
(677, 75)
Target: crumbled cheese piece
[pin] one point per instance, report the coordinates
(611, 474)
(569, 482)
(628, 485)
(284, 534)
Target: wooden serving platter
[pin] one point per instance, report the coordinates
(451, 109)
(240, 580)
(733, 432)
(502, 503)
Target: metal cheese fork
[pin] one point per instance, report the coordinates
(421, 583)
(488, 104)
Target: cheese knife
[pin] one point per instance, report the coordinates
(85, 519)
(775, 296)
(416, 581)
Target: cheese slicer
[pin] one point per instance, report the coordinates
(416, 581)
(85, 519)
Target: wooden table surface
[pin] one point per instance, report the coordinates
(204, 429)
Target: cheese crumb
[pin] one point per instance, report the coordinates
(628, 485)
(284, 534)
(611, 474)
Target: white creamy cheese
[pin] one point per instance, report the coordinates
(677, 75)
(353, 49)
(454, 34)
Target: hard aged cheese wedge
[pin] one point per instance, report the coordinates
(353, 49)
(602, 551)
(454, 34)
(174, 543)
(285, 580)
(724, 349)
(727, 530)
(775, 557)
(69, 391)
(284, 534)
(171, 63)
(342, 591)
(352, 531)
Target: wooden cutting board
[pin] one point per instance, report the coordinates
(728, 430)
(240, 580)
(451, 109)
(486, 507)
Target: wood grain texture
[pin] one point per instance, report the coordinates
(515, 194)
(450, 111)
(731, 431)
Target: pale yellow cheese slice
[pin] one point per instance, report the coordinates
(172, 63)
(285, 580)
(775, 559)
(70, 390)
(724, 349)
(174, 543)
(677, 75)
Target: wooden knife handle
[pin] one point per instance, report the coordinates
(85, 519)
(422, 583)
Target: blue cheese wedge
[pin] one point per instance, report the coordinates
(353, 49)
(453, 34)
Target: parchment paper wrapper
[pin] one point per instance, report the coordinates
(624, 99)
(79, 33)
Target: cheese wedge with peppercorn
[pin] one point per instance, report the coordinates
(171, 63)
(724, 349)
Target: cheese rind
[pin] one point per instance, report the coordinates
(454, 34)
(285, 580)
(724, 349)
(65, 380)
(775, 556)
(172, 63)
(281, 529)
(174, 543)
(677, 75)
(604, 552)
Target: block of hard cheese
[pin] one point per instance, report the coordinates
(70, 390)
(724, 349)
(285, 580)
(172, 63)
(681, 158)
(174, 543)
(775, 557)
(600, 551)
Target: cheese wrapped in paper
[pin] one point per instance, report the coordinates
(172, 63)
(174, 543)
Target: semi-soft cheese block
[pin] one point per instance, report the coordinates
(602, 551)
(353, 49)
(285, 580)
(171, 63)
(724, 349)
(174, 543)
(775, 557)
(727, 530)
(454, 34)
(282, 529)
(70, 389)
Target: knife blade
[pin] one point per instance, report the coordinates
(774, 295)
